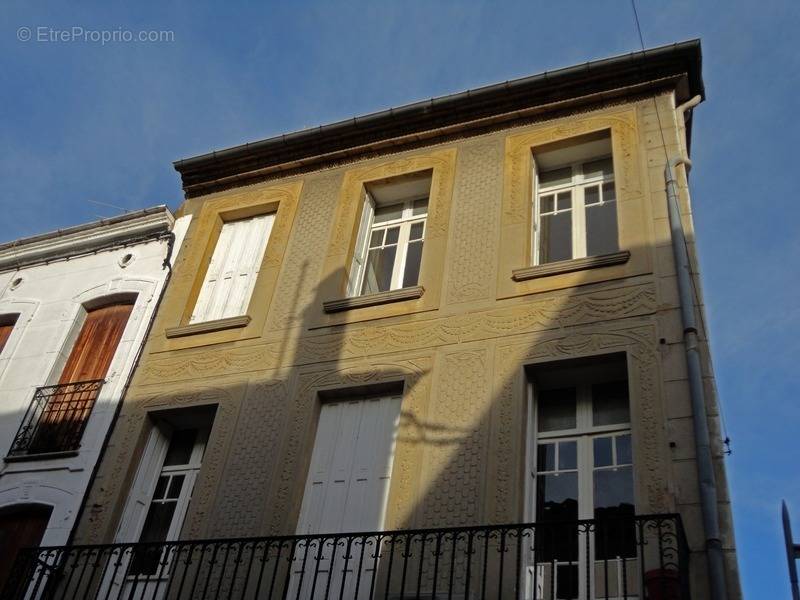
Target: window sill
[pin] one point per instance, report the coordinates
(41, 456)
(343, 304)
(569, 266)
(208, 326)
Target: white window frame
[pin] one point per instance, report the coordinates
(584, 430)
(366, 228)
(577, 185)
(151, 468)
(584, 433)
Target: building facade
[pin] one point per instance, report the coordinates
(453, 327)
(75, 306)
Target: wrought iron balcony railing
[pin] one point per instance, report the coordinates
(56, 418)
(642, 557)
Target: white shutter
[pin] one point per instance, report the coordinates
(233, 269)
(144, 483)
(360, 252)
(351, 465)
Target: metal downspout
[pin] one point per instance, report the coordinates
(705, 466)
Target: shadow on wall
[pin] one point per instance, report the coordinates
(460, 459)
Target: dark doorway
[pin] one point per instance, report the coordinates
(20, 527)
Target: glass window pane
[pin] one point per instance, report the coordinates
(564, 200)
(610, 403)
(420, 207)
(180, 447)
(156, 525)
(624, 455)
(591, 194)
(376, 239)
(378, 272)
(557, 497)
(555, 176)
(161, 487)
(609, 192)
(596, 168)
(555, 238)
(413, 261)
(615, 534)
(387, 213)
(602, 452)
(567, 456)
(601, 229)
(613, 491)
(175, 486)
(392, 234)
(417, 229)
(546, 457)
(547, 203)
(148, 560)
(556, 409)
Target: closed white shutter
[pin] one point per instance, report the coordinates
(346, 491)
(360, 252)
(351, 466)
(233, 269)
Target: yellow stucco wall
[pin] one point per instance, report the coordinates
(460, 349)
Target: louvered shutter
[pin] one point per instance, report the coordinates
(233, 269)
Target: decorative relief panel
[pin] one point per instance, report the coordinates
(244, 484)
(650, 452)
(473, 243)
(454, 442)
(304, 256)
(555, 311)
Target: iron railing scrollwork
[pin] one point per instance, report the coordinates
(56, 418)
(531, 561)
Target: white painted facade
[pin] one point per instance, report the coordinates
(48, 281)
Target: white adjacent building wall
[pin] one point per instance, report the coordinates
(47, 281)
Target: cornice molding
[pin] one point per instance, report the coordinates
(125, 230)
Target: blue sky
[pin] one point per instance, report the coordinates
(83, 121)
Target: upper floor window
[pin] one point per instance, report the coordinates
(575, 204)
(388, 252)
(7, 323)
(233, 269)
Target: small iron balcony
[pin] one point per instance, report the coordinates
(643, 557)
(56, 418)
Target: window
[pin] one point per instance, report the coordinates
(233, 269)
(388, 253)
(575, 204)
(582, 468)
(169, 500)
(7, 323)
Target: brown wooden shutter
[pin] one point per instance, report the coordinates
(6, 327)
(96, 344)
(64, 417)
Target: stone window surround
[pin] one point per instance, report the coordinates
(516, 274)
(200, 242)
(339, 258)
